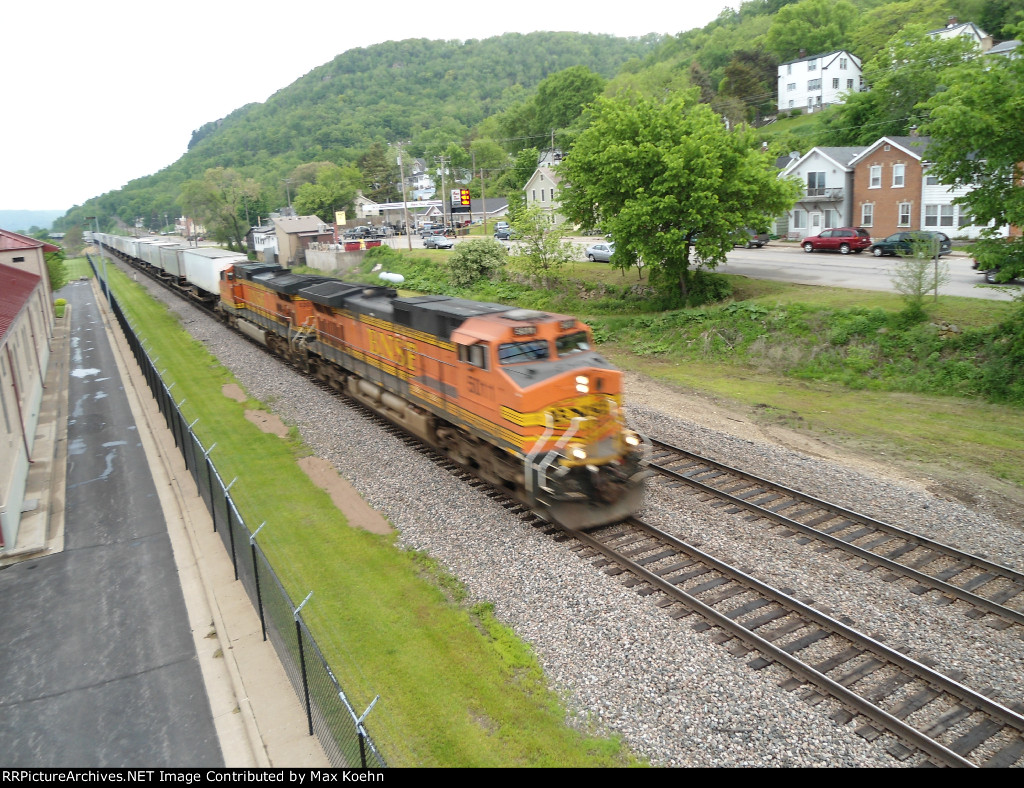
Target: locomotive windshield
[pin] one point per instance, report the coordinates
(572, 343)
(517, 352)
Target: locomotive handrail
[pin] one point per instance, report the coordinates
(542, 469)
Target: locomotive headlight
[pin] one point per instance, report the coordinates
(582, 389)
(582, 380)
(632, 439)
(579, 453)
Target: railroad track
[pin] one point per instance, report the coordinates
(886, 690)
(989, 588)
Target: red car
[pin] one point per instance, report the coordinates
(841, 239)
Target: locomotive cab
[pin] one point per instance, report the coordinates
(538, 374)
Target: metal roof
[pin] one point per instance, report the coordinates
(16, 288)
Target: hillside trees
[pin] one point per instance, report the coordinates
(814, 26)
(665, 177)
(911, 68)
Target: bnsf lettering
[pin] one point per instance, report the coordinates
(398, 351)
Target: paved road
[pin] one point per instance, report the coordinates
(99, 665)
(789, 263)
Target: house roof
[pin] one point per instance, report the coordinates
(914, 146)
(16, 287)
(840, 156)
(14, 241)
(1004, 48)
(824, 56)
(961, 28)
(299, 224)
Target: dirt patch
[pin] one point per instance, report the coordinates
(233, 391)
(358, 513)
(268, 422)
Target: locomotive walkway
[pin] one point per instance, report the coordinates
(125, 639)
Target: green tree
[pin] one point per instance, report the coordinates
(976, 141)
(56, 270)
(541, 243)
(918, 272)
(218, 201)
(379, 167)
(668, 177)
(815, 26)
(911, 69)
(334, 190)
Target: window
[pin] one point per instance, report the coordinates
(789, 69)
(552, 194)
(964, 218)
(542, 195)
(904, 214)
(814, 84)
(18, 260)
(830, 217)
(849, 84)
(518, 352)
(791, 86)
(812, 65)
(842, 64)
(835, 83)
(875, 180)
(791, 103)
(534, 195)
(938, 216)
(931, 180)
(867, 214)
(815, 184)
(572, 343)
(899, 172)
(474, 355)
(798, 220)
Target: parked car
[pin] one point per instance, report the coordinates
(902, 242)
(438, 242)
(503, 233)
(600, 252)
(841, 239)
(427, 233)
(989, 273)
(750, 239)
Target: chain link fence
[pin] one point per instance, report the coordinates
(329, 715)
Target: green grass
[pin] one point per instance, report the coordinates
(457, 688)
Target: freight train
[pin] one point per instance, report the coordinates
(518, 395)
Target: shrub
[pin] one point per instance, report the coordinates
(475, 259)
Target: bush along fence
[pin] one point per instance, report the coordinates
(330, 717)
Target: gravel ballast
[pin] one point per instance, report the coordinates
(620, 663)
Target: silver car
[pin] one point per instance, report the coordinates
(600, 252)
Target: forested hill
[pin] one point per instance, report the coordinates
(426, 93)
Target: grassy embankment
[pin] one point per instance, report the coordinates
(457, 688)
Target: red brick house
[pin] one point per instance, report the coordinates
(887, 180)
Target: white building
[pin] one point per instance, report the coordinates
(939, 213)
(813, 83)
(542, 188)
(827, 200)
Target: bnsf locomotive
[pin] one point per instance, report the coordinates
(518, 395)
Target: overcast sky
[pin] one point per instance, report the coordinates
(102, 92)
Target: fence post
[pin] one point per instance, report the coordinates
(256, 575)
(302, 663)
(231, 531)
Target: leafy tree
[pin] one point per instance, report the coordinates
(542, 243)
(816, 26)
(475, 259)
(56, 271)
(218, 202)
(976, 141)
(918, 272)
(335, 190)
(667, 176)
(381, 177)
(910, 70)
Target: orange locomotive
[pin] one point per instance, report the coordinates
(516, 394)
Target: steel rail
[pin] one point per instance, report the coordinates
(922, 577)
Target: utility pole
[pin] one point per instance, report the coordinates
(483, 197)
(443, 162)
(405, 202)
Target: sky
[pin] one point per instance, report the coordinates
(100, 93)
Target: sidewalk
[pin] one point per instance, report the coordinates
(258, 717)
